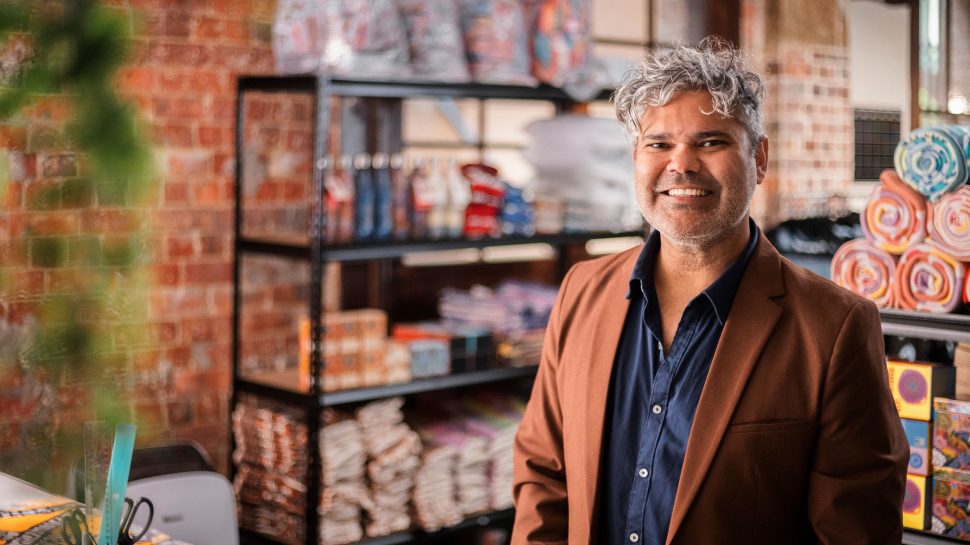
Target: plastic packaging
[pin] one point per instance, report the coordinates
(339, 188)
(434, 33)
(355, 38)
(488, 191)
(400, 198)
(559, 38)
(419, 181)
(459, 196)
(496, 41)
(383, 199)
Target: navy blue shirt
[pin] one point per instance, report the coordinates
(652, 400)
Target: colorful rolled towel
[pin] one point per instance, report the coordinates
(948, 222)
(867, 270)
(935, 160)
(895, 215)
(928, 279)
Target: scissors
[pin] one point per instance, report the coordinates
(74, 528)
(125, 536)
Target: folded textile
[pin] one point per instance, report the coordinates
(949, 223)
(929, 279)
(895, 215)
(934, 160)
(867, 270)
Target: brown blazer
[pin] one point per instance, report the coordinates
(795, 440)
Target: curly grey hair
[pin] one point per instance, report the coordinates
(712, 65)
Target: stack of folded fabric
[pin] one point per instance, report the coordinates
(495, 419)
(271, 458)
(344, 489)
(434, 488)
(916, 252)
(393, 451)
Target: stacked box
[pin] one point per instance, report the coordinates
(951, 433)
(914, 385)
(354, 344)
(916, 502)
(918, 435)
(469, 348)
(961, 360)
(951, 510)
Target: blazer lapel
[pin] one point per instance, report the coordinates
(750, 323)
(604, 340)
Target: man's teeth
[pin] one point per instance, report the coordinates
(687, 192)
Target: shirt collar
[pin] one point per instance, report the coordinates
(720, 293)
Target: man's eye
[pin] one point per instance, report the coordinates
(712, 143)
(657, 145)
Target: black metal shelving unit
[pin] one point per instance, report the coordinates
(940, 327)
(312, 249)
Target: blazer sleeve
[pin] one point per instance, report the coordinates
(539, 474)
(857, 482)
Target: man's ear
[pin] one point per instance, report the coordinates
(761, 158)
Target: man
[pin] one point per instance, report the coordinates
(703, 390)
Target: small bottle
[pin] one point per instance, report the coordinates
(400, 201)
(383, 218)
(364, 197)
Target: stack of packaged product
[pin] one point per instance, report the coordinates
(951, 455)
(394, 456)
(435, 486)
(271, 461)
(344, 489)
(354, 351)
(914, 386)
(916, 249)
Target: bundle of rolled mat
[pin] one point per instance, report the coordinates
(929, 279)
(949, 223)
(867, 270)
(934, 160)
(895, 215)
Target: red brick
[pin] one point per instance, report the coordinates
(179, 136)
(179, 356)
(176, 193)
(13, 137)
(214, 137)
(171, 81)
(56, 223)
(134, 79)
(24, 282)
(150, 414)
(223, 164)
(13, 197)
(208, 81)
(218, 28)
(112, 220)
(180, 411)
(203, 329)
(180, 246)
(172, 219)
(171, 53)
(224, 109)
(209, 193)
(178, 24)
(53, 166)
(208, 272)
(299, 140)
(176, 108)
(42, 195)
(167, 274)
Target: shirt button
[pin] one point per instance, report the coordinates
(643, 472)
(657, 409)
(634, 537)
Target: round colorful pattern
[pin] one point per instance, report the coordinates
(864, 268)
(911, 501)
(912, 386)
(934, 160)
(895, 215)
(928, 279)
(948, 222)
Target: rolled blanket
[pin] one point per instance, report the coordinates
(895, 215)
(949, 223)
(929, 279)
(934, 161)
(867, 270)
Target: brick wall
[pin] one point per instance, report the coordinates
(181, 76)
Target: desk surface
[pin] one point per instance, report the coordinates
(30, 515)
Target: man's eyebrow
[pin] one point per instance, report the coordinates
(656, 136)
(710, 134)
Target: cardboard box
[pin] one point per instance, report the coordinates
(919, 434)
(961, 360)
(951, 510)
(914, 385)
(951, 433)
(917, 502)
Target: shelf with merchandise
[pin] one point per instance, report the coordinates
(940, 327)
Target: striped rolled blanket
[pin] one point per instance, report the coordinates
(934, 161)
(948, 222)
(895, 215)
(867, 270)
(929, 279)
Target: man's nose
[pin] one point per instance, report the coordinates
(684, 159)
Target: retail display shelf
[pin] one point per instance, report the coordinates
(485, 519)
(299, 247)
(282, 385)
(407, 89)
(915, 537)
(940, 327)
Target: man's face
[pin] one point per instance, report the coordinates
(695, 173)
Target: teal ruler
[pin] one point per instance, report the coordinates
(114, 495)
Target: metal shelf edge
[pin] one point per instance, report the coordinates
(916, 537)
(265, 390)
(943, 327)
(432, 384)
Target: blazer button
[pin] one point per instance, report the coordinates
(634, 537)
